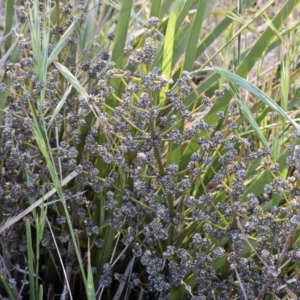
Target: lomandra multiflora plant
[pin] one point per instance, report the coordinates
(123, 191)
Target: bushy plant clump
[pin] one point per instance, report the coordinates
(148, 218)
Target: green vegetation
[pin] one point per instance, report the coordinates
(149, 150)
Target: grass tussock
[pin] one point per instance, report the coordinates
(149, 150)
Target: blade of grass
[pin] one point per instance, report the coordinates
(121, 33)
(285, 82)
(41, 289)
(155, 8)
(250, 118)
(191, 47)
(179, 21)
(9, 17)
(256, 92)
(91, 294)
(165, 7)
(118, 54)
(169, 41)
(35, 32)
(30, 254)
(7, 287)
